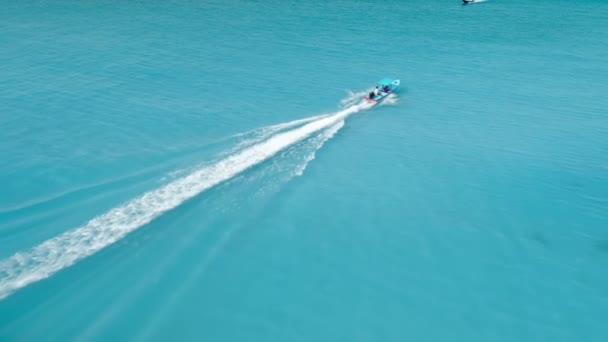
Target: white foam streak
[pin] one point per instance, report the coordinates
(260, 134)
(390, 100)
(352, 98)
(62, 251)
(318, 143)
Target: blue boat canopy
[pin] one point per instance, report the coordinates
(385, 81)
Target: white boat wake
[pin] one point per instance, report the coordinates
(259, 185)
(353, 98)
(390, 100)
(257, 135)
(53, 255)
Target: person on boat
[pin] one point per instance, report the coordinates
(376, 91)
(371, 95)
(386, 89)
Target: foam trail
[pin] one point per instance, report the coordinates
(282, 126)
(264, 133)
(390, 100)
(318, 143)
(64, 250)
(290, 163)
(352, 98)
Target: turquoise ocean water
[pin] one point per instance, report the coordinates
(199, 170)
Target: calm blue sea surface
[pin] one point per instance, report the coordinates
(202, 171)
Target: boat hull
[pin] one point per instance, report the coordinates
(392, 84)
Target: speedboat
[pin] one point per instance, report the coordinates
(388, 83)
